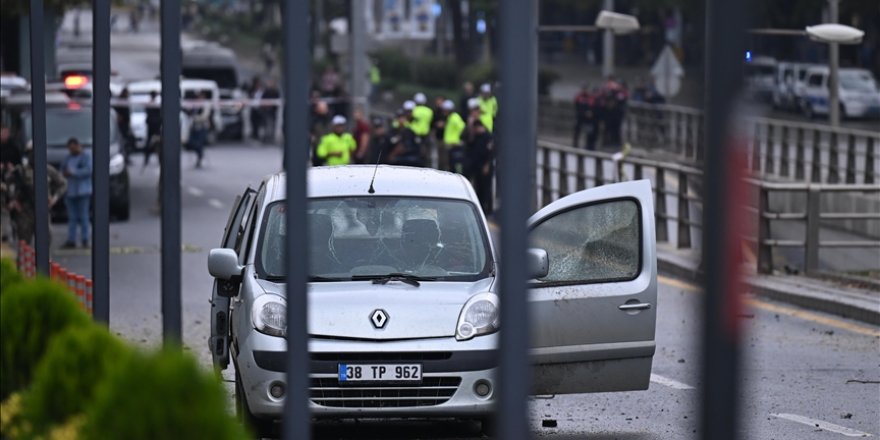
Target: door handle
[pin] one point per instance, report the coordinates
(636, 306)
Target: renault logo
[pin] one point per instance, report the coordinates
(379, 318)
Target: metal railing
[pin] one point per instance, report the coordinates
(781, 150)
(813, 216)
(562, 170)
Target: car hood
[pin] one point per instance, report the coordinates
(343, 309)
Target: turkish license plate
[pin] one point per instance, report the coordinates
(410, 373)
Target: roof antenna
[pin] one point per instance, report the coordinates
(371, 190)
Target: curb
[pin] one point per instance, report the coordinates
(845, 304)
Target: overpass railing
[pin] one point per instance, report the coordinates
(562, 170)
(780, 150)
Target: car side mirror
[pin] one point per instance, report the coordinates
(223, 264)
(538, 263)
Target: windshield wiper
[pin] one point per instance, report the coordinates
(283, 279)
(412, 280)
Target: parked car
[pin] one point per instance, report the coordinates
(66, 118)
(403, 295)
(789, 85)
(760, 78)
(10, 83)
(213, 62)
(857, 90)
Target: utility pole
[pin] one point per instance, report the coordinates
(358, 55)
(608, 44)
(834, 65)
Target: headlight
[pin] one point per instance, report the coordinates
(117, 164)
(269, 315)
(479, 316)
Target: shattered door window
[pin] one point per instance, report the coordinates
(591, 243)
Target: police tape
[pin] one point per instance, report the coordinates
(266, 103)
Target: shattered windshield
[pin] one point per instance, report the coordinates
(375, 236)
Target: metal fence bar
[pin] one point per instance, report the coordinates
(833, 171)
(296, 56)
(811, 255)
(684, 230)
(170, 176)
(816, 159)
(101, 159)
(799, 161)
(518, 135)
(851, 159)
(38, 130)
(869, 162)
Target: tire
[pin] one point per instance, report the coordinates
(122, 210)
(262, 428)
(808, 111)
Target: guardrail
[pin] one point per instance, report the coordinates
(782, 150)
(678, 204)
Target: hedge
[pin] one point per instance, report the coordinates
(31, 313)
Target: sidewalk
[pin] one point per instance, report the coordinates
(839, 298)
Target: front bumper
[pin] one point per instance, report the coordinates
(451, 372)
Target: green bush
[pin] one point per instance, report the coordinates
(31, 313)
(479, 74)
(435, 72)
(9, 276)
(393, 64)
(77, 360)
(163, 395)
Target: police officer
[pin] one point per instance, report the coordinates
(421, 117)
(481, 169)
(336, 147)
(453, 158)
(380, 145)
(406, 149)
(20, 194)
(488, 106)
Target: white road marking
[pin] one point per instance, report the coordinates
(822, 425)
(215, 203)
(667, 382)
(195, 191)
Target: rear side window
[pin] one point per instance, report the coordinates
(815, 80)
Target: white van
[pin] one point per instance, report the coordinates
(760, 78)
(857, 89)
(790, 83)
(139, 92)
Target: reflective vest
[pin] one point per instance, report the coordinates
(488, 111)
(334, 143)
(375, 75)
(422, 116)
(454, 127)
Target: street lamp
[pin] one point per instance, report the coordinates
(613, 23)
(834, 34)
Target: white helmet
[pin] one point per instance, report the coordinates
(409, 105)
(486, 88)
(338, 120)
(420, 98)
(473, 103)
(448, 105)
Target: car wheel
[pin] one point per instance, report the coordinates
(808, 110)
(122, 210)
(262, 428)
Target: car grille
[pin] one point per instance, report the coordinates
(382, 356)
(432, 391)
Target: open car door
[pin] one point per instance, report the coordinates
(594, 314)
(218, 343)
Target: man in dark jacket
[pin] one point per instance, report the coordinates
(584, 108)
(481, 167)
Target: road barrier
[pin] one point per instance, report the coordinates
(78, 285)
(562, 170)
